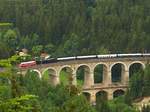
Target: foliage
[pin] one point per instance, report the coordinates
(14, 60)
(146, 79)
(49, 48)
(11, 95)
(70, 28)
(20, 104)
(6, 24)
(136, 86)
(15, 91)
(36, 50)
(118, 105)
(140, 85)
(56, 99)
(74, 105)
(5, 63)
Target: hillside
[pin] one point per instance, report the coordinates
(76, 27)
(42, 30)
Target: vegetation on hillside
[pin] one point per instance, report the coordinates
(70, 28)
(30, 93)
(76, 27)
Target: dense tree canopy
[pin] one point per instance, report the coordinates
(82, 26)
(30, 93)
(69, 28)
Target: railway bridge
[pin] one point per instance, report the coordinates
(121, 67)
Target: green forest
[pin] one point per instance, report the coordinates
(70, 28)
(29, 93)
(74, 27)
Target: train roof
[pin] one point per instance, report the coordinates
(66, 58)
(89, 56)
(27, 62)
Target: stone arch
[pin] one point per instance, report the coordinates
(47, 69)
(125, 66)
(83, 73)
(118, 69)
(101, 95)
(50, 75)
(139, 62)
(100, 71)
(87, 95)
(66, 75)
(86, 65)
(64, 66)
(118, 92)
(34, 70)
(135, 67)
(32, 74)
(39, 73)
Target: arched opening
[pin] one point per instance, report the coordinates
(100, 73)
(117, 72)
(118, 93)
(83, 76)
(66, 76)
(38, 72)
(101, 96)
(50, 76)
(135, 68)
(32, 81)
(33, 73)
(87, 96)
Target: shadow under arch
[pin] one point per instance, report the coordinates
(135, 67)
(66, 76)
(32, 79)
(37, 71)
(118, 92)
(33, 72)
(83, 75)
(100, 73)
(87, 96)
(101, 96)
(50, 76)
(117, 72)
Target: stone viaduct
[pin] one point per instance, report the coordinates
(107, 86)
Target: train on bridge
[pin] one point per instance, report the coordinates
(55, 60)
